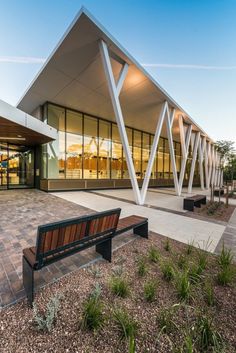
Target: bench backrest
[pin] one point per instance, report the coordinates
(63, 236)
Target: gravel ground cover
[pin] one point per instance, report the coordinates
(171, 293)
(215, 210)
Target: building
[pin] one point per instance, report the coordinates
(94, 118)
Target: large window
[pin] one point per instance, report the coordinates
(74, 145)
(104, 147)
(56, 149)
(116, 161)
(91, 148)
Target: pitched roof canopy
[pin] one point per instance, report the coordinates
(73, 76)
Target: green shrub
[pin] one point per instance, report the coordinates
(225, 276)
(165, 319)
(142, 266)
(167, 271)
(207, 337)
(45, 322)
(209, 294)
(183, 285)
(225, 258)
(202, 259)
(150, 290)
(126, 325)
(153, 254)
(92, 315)
(194, 273)
(132, 345)
(119, 286)
(167, 245)
(190, 247)
(182, 261)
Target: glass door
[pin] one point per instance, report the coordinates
(16, 167)
(3, 166)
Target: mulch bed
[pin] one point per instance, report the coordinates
(222, 213)
(18, 333)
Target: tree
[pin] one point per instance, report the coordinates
(225, 149)
(227, 153)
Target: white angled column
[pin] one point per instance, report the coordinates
(185, 142)
(201, 151)
(169, 122)
(153, 151)
(194, 157)
(114, 93)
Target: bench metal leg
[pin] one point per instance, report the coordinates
(105, 249)
(28, 281)
(188, 205)
(142, 230)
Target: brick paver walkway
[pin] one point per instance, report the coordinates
(21, 213)
(229, 236)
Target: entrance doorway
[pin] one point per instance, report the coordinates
(16, 167)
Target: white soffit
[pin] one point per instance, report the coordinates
(17, 126)
(73, 76)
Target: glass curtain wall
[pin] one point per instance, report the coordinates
(90, 148)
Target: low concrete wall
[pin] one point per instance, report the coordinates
(90, 184)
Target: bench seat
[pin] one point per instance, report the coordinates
(194, 201)
(58, 240)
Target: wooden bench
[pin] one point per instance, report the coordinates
(194, 201)
(55, 241)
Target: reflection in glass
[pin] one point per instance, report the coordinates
(104, 150)
(116, 161)
(74, 145)
(56, 149)
(90, 147)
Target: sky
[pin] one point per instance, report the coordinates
(188, 46)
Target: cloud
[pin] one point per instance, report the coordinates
(21, 60)
(191, 66)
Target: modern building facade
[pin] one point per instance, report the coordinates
(103, 122)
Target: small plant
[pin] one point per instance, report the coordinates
(167, 245)
(207, 336)
(126, 325)
(182, 261)
(183, 285)
(132, 345)
(153, 254)
(194, 273)
(46, 321)
(118, 270)
(119, 286)
(95, 271)
(168, 271)
(188, 345)
(226, 257)
(190, 247)
(92, 316)
(150, 291)
(225, 276)
(202, 259)
(142, 267)
(209, 293)
(165, 319)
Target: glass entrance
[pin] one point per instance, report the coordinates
(16, 167)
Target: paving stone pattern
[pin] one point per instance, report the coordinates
(22, 211)
(229, 236)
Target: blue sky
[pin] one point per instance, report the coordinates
(188, 46)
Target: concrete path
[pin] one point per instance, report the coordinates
(168, 224)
